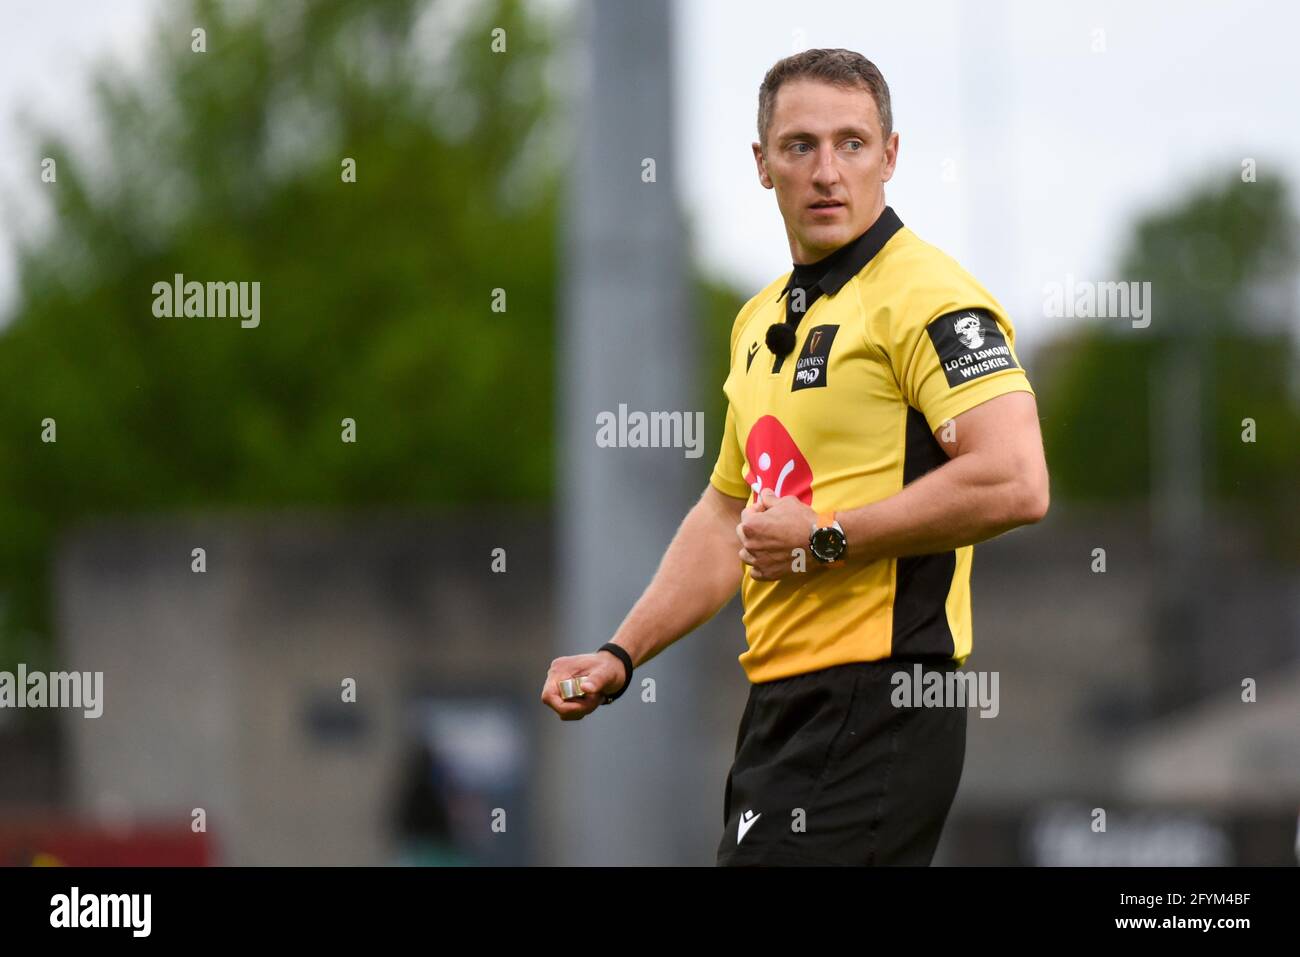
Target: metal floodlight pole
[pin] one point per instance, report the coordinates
(620, 781)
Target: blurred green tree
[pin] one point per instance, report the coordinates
(1222, 264)
(228, 165)
(376, 295)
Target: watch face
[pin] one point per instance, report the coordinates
(827, 544)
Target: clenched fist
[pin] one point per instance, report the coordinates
(770, 531)
(602, 674)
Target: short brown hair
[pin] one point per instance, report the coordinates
(840, 67)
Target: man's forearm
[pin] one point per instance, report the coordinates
(697, 576)
(966, 500)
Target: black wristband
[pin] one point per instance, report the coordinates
(623, 656)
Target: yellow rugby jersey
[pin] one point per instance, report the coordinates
(901, 340)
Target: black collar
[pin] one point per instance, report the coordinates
(847, 261)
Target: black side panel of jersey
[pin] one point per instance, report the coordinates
(920, 621)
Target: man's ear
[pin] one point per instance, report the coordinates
(891, 157)
(762, 167)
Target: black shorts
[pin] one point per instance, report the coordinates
(873, 782)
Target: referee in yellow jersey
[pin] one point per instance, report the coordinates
(879, 424)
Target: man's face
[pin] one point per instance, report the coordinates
(828, 161)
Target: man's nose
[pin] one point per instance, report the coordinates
(826, 173)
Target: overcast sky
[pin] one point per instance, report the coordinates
(1050, 148)
(1053, 148)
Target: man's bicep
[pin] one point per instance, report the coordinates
(1005, 426)
(1002, 434)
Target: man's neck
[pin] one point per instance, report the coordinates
(800, 256)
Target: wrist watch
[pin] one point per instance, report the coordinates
(827, 542)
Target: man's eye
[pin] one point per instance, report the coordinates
(857, 143)
(795, 146)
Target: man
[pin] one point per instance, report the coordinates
(879, 424)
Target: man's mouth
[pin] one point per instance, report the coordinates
(827, 205)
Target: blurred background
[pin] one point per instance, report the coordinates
(476, 226)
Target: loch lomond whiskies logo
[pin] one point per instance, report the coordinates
(968, 331)
(970, 345)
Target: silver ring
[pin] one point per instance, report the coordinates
(571, 689)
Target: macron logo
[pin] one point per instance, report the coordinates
(747, 820)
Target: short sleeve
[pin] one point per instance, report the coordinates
(949, 363)
(728, 471)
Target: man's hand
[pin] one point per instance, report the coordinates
(770, 531)
(604, 674)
